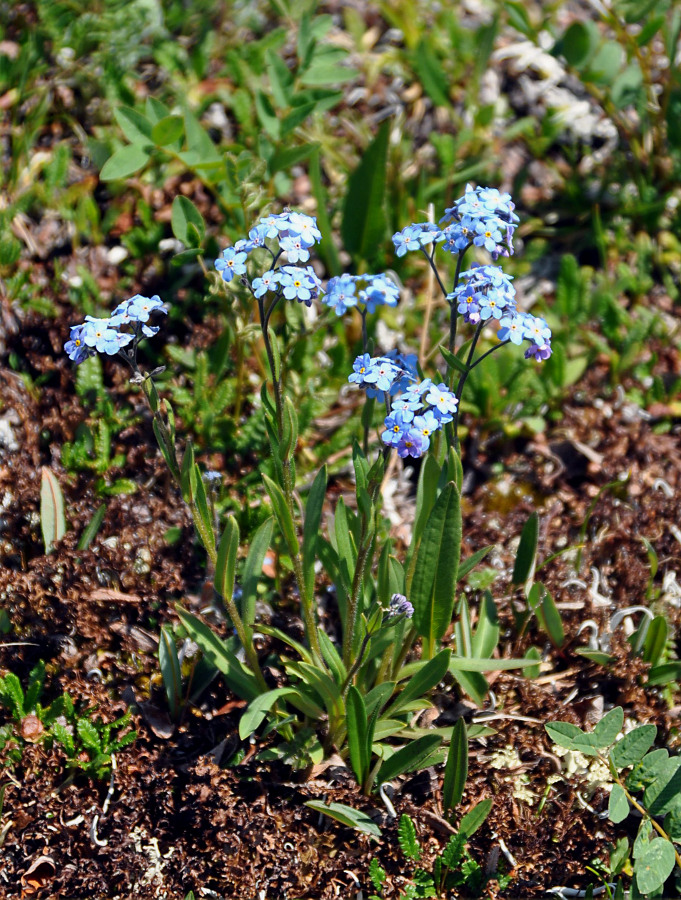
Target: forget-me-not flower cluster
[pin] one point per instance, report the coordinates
(110, 335)
(416, 409)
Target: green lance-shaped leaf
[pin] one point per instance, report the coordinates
(184, 214)
(124, 162)
(540, 600)
(423, 681)
(171, 672)
(357, 724)
(289, 438)
(453, 361)
(656, 640)
(468, 564)
(526, 555)
(225, 567)
(354, 818)
(456, 768)
(486, 635)
(283, 514)
(252, 571)
(237, 676)
(52, 519)
(203, 519)
(470, 823)
(363, 225)
(409, 758)
(188, 474)
(257, 710)
(93, 526)
(655, 865)
(426, 495)
(135, 126)
(434, 584)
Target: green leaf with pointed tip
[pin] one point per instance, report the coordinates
(251, 575)
(184, 214)
(124, 162)
(470, 823)
(135, 126)
(225, 568)
(364, 223)
(409, 758)
(52, 519)
(433, 586)
(526, 555)
(466, 565)
(423, 681)
(456, 768)
(283, 514)
(618, 805)
(357, 725)
(453, 360)
(257, 709)
(237, 676)
(171, 673)
(346, 815)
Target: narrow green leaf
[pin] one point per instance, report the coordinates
(203, 520)
(52, 519)
(431, 74)
(124, 162)
(363, 225)
(549, 616)
(225, 568)
(434, 583)
(237, 676)
(618, 805)
(526, 556)
(426, 494)
(456, 768)
(409, 758)
(453, 360)
(487, 632)
(257, 709)
(473, 819)
(283, 514)
(656, 640)
(468, 564)
(171, 673)
(346, 815)
(664, 673)
(471, 664)
(252, 571)
(356, 723)
(423, 681)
